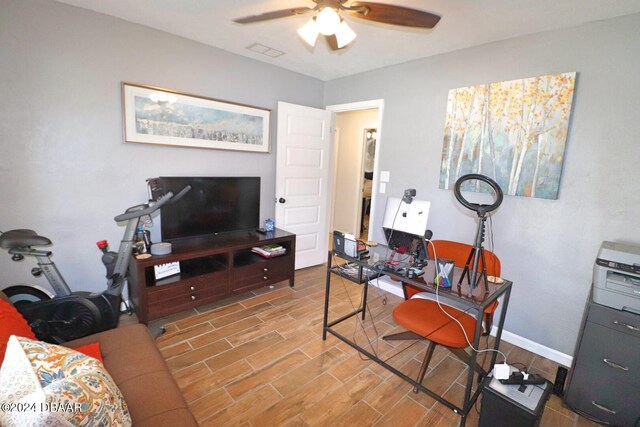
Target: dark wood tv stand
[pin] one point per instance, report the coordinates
(211, 268)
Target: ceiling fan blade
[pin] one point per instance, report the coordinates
(390, 14)
(273, 15)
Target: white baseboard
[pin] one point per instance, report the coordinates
(395, 288)
(536, 348)
(388, 285)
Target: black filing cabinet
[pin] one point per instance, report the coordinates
(605, 378)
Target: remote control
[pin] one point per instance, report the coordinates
(261, 230)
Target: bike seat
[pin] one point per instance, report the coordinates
(21, 238)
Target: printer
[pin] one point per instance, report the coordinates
(616, 277)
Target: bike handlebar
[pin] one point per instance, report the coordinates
(144, 211)
(180, 194)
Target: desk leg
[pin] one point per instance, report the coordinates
(325, 321)
(503, 315)
(467, 404)
(364, 298)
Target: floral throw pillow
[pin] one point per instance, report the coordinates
(46, 384)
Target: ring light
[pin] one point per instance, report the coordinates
(476, 256)
(477, 207)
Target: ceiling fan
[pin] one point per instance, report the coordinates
(328, 22)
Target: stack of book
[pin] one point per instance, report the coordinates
(269, 251)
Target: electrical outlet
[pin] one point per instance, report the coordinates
(383, 187)
(376, 257)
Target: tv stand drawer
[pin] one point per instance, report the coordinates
(251, 282)
(263, 272)
(206, 283)
(263, 266)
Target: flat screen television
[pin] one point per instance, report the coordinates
(214, 205)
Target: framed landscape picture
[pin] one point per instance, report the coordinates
(161, 116)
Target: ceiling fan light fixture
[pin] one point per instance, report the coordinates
(309, 32)
(328, 21)
(344, 35)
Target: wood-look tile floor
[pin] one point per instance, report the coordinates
(258, 359)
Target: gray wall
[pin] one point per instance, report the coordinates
(64, 169)
(547, 247)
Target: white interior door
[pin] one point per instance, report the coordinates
(302, 179)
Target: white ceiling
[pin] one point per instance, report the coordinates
(464, 23)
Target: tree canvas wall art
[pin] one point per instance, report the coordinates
(513, 132)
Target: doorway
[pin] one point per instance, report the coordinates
(356, 147)
(370, 140)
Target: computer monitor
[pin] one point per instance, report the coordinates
(405, 224)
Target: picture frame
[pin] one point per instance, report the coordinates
(514, 132)
(154, 115)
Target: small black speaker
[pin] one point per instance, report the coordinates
(558, 385)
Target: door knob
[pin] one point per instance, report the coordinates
(282, 200)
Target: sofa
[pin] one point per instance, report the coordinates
(134, 362)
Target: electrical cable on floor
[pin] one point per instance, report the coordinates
(386, 255)
(484, 359)
(358, 320)
(377, 335)
(379, 267)
(523, 367)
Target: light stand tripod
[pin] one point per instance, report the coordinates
(477, 252)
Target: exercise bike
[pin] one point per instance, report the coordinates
(68, 315)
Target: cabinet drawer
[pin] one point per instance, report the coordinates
(186, 300)
(215, 283)
(209, 288)
(605, 353)
(261, 273)
(190, 297)
(607, 401)
(620, 321)
(263, 265)
(242, 282)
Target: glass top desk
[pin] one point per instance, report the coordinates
(457, 296)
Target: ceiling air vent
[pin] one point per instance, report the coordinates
(265, 50)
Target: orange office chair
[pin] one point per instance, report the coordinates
(424, 319)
